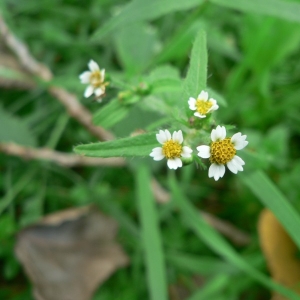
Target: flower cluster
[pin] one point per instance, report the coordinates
(221, 151)
(95, 78)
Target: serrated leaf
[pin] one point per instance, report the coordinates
(140, 145)
(195, 80)
(110, 114)
(141, 10)
(14, 129)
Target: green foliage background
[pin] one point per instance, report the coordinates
(253, 70)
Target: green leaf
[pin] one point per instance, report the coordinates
(179, 43)
(217, 243)
(141, 10)
(276, 144)
(151, 238)
(9, 73)
(140, 145)
(164, 76)
(18, 186)
(195, 80)
(14, 129)
(166, 86)
(287, 10)
(212, 288)
(203, 265)
(110, 114)
(133, 58)
(266, 191)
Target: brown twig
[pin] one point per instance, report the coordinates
(20, 80)
(30, 64)
(21, 51)
(62, 159)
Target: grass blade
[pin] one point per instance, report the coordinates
(212, 288)
(288, 10)
(266, 191)
(151, 236)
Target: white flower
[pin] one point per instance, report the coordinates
(222, 151)
(171, 148)
(95, 80)
(202, 105)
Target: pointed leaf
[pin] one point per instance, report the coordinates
(140, 145)
(195, 80)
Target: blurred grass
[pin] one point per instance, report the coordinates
(253, 63)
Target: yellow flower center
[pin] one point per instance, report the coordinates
(171, 149)
(96, 79)
(203, 106)
(221, 152)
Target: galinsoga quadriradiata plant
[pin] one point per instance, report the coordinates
(194, 133)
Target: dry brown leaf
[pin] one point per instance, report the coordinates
(280, 252)
(69, 254)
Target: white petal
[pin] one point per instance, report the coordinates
(174, 163)
(88, 91)
(157, 150)
(157, 153)
(85, 77)
(171, 164)
(186, 152)
(218, 134)
(238, 160)
(192, 103)
(199, 115)
(178, 162)
(174, 136)
(103, 74)
(232, 167)
(99, 100)
(221, 170)
(239, 141)
(236, 164)
(204, 151)
(99, 91)
(161, 137)
(203, 96)
(93, 66)
(223, 134)
(213, 101)
(214, 107)
(177, 136)
(216, 171)
(168, 134)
